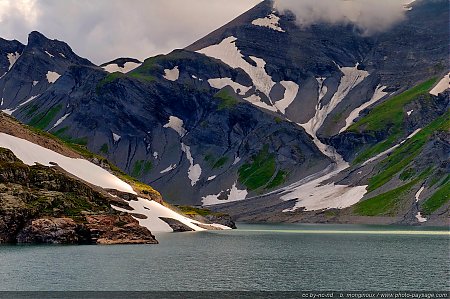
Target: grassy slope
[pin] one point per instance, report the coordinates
(388, 116)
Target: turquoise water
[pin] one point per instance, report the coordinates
(255, 257)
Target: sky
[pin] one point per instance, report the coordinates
(102, 30)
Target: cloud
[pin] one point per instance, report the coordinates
(102, 30)
(370, 16)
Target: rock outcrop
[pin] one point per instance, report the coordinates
(41, 204)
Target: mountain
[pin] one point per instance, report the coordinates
(55, 192)
(263, 119)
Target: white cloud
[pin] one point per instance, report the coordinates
(102, 30)
(370, 16)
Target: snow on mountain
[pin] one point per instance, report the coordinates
(31, 154)
(52, 77)
(177, 125)
(195, 170)
(11, 111)
(418, 193)
(220, 83)
(60, 121)
(170, 168)
(12, 57)
(256, 100)
(230, 195)
(127, 67)
(154, 211)
(316, 194)
(352, 76)
(172, 74)
(228, 52)
(390, 150)
(271, 21)
(420, 218)
(291, 90)
(377, 95)
(442, 85)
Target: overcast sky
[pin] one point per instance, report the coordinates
(102, 30)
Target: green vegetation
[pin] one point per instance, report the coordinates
(385, 204)
(279, 179)
(437, 200)
(221, 162)
(227, 101)
(407, 152)
(141, 167)
(260, 172)
(215, 163)
(112, 77)
(109, 79)
(43, 120)
(193, 211)
(407, 174)
(104, 149)
(388, 116)
(391, 111)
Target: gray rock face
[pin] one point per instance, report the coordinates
(10, 50)
(166, 123)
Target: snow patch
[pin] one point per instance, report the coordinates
(127, 67)
(12, 58)
(31, 154)
(116, 137)
(407, 4)
(228, 53)
(236, 160)
(291, 90)
(172, 74)
(59, 121)
(212, 178)
(315, 195)
(52, 77)
(11, 111)
(50, 55)
(234, 195)
(35, 83)
(195, 170)
(153, 211)
(220, 83)
(256, 100)
(323, 89)
(350, 79)
(418, 193)
(155, 155)
(390, 150)
(378, 95)
(62, 55)
(409, 112)
(176, 124)
(271, 21)
(442, 86)
(420, 218)
(170, 168)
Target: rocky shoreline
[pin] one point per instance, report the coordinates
(44, 205)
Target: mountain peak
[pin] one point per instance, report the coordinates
(36, 38)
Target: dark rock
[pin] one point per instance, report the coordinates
(176, 225)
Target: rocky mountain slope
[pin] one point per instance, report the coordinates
(50, 193)
(262, 118)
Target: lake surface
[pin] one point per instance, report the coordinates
(254, 257)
